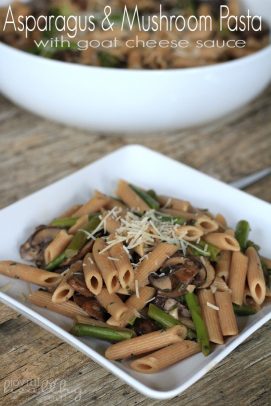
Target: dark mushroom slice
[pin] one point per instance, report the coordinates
(33, 248)
(77, 282)
(144, 326)
(91, 306)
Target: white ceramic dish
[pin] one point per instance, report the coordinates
(113, 100)
(155, 171)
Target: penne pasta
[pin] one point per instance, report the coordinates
(220, 285)
(226, 314)
(69, 212)
(206, 224)
(110, 224)
(29, 274)
(180, 213)
(220, 219)
(135, 304)
(130, 198)
(64, 291)
(140, 250)
(154, 261)
(189, 233)
(145, 343)
(255, 276)
(174, 203)
(80, 223)
(165, 357)
(68, 309)
(93, 277)
(237, 278)
(106, 266)
(123, 266)
(57, 246)
(112, 304)
(223, 241)
(94, 205)
(210, 315)
(223, 265)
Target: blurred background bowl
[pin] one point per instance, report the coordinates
(121, 100)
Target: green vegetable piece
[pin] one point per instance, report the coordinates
(108, 60)
(244, 310)
(166, 320)
(76, 244)
(201, 329)
(241, 234)
(103, 333)
(170, 219)
(148, 199)
(64, 222)
(205, 250)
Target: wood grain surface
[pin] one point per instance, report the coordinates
(36, 368)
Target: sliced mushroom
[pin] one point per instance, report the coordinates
(33, 248)
(144, 326)
(91, 306)
(79, 285)
(173, 280)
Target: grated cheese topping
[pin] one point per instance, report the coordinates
(148, 229)
(212, 306)
(137, 288)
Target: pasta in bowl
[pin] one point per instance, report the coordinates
(154, 275)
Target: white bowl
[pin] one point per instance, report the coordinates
(118, 100)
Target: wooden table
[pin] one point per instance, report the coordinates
(35, 152)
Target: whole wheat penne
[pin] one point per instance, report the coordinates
(112, 304)
(64, 291)
(123, 265)
(57, 246)
(110, 224)
(111, 203)
(106, 266)
(145, 343)
(230, 231)
(68, 309)
(223, 241)
(154, 261)
(93, 277)
(248, 299)
(237, 279)
(130, 198)
(135, 304)
(180, 213)
(223, 265)
(210, 315)
(29, 274)
(174, 203)
(94, 205)
(220, 285)
(226, 314)
(255, 276)
(189, 233)
(80, 223)
(69, 212)
(206, 224)
(165, 357)
(220, 219)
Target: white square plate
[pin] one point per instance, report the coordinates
(151, 170)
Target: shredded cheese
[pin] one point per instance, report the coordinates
(137, 288)
(212, 306)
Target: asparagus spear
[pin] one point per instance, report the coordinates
(206, 250)
(64, 222)
(170, 219)
(241, 233)
(166, 320)
(201, 330)
(76, 244)
(148, 199)
(244, 310)
(104, 333)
